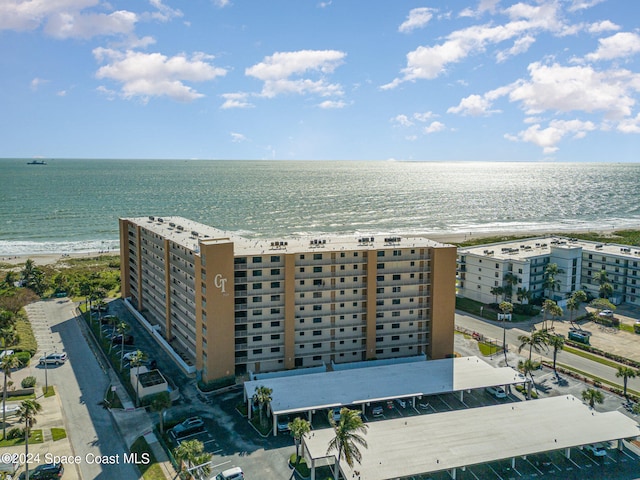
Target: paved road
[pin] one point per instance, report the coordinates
(81, 383)
(494, 330)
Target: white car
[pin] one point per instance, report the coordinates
(55, 358)
(234, 473)
(401, 402)
(606, 313)
(596, 449)
(497, 392)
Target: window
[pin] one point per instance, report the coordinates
(257, 312)
(317, 256)
(275, 336)
(395, 325)
(257, 299)
(341, 267)
(257, 286)
(275, 323)
(257, 338)
(317, 345)
(301, 269)
(396, 289)
(317, 269)
(257, 273)
(317, 333)
(395, 314)
(275, 271)
(380, 290)
(275, 258)
(380, 266)
(396, 301)
(275, 311)
(317, 282)
(380, 278)
(379, 327)
(257, 325)
(257, 351)
(275, 298)
(275, 349)
(396, 277)
(275, 284)
(381, 253)
(317, 320)
(395, 338)
(257, 259)
(355, 267)
(317, 294)
(317, 307)
(397, 253)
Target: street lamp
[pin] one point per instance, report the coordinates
(46, 380)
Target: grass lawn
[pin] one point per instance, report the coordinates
(50, 391)
(58, 434)
(153, 470)
(25, 333)
(35, 437)
(302, 469)
(19, 398)
(488, 349)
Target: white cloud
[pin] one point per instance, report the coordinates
(423, 117)
(473, 105)
(623, 44)
(434, 127)
(417, 18)
(324, 4)
(221, 3)
(235, 100)
(332, 104)
(580, 88)
(583, 4)
(548, 138)
(429, 62)
(630, 125)
(36, 82)
(483, 6)
(164, 13)
(147, 75)
(521, 45)
(604, 26)
(69, 25)
(402, 120)
(275, 71)
(238, 137)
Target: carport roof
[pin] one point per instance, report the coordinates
(369, 384)
(443, 441)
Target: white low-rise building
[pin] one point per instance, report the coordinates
(520, 265)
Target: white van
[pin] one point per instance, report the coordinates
(234, 473)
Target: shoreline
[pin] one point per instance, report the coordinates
(450, 238)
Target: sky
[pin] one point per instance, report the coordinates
(487, 80)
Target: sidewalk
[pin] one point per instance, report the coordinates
(49, 417)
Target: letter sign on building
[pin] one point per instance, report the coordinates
(220, 282)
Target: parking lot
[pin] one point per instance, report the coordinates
(233, 441)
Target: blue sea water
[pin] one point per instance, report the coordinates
(74, 205)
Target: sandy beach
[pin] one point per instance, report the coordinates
(456, 238)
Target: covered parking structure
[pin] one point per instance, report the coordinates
(462, 438)
(361, 386)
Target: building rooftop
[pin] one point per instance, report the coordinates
(441, 441)
(188, 234)
(369, 384)
(537, 246)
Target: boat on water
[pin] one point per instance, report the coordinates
(37, 162)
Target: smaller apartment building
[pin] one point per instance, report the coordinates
(483, 267)
(230, 304)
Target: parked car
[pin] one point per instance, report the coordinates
(283, 424)
(606, 313)
(336, 414)
(100, 307)
(234, 473)
(107, 319)
(390, 404)
(596, 449)
(117, 339)
(55, 358)
(190, 426)
(497, 392)
(129, 355)
(48, 471)
(377, 411)
(6, 353)
(401, 402)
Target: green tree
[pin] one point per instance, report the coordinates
(605, 289)
(527, 367)
(298, 427)
(7, 365)
(121, 329)
(555, 311)
(496, 291)
(551, 283)
(510, 280)
(190, 454)
(8, 337)
(535, 341)
(136, 360)
(625, 373)
(262, 397)
(27, 413)
(592, 396)
(601, 304)
(159, 403)
(522, 295)
(556, 342)
(573, 304)
(347, 438)
(505, 308)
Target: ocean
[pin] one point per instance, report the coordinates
(73, 205)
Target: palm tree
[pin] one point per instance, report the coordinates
(190, 454)
(159, 403)
(496, 291)
(510, 280)
(262, 397)
(592, 396)
(348, 438)
(136, 360)
(557, 343)
(606, 289)
(8, 336)
(551, 283)
(506, 308)
(523, 294)
(121, 328)
(625, 373)
(556, 312)
(527, 367)
(547, 306)
(299, 427)
(8, 363)
(535, 342)
(573, 304)
(27, 414)
(601, 304)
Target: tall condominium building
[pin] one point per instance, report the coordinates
(230, 304)
(482, 268)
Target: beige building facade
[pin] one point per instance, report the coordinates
(229, 304)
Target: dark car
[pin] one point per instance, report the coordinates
(117, 339)
(188, 427)
(47, 471)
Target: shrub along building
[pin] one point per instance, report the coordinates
(230, 304)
